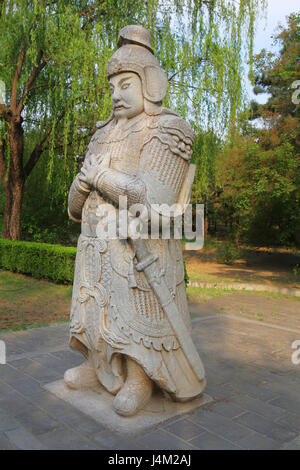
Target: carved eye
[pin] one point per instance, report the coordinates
(125, 85)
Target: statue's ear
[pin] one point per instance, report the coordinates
(156, 83)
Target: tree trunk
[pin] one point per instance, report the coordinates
(12, 213)
(14, 182)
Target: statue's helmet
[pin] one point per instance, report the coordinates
(135, 54)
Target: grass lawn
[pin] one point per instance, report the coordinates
(26, 302)
(258, 265)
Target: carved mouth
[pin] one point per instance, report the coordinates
(120, 107)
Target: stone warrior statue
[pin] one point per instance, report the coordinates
(117, 321)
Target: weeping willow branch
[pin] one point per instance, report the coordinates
(14, 88)
(38, 149)
(2, 159)
(34, 74)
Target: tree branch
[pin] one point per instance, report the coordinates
(35, 71)
(203, 59)
(14, 88)
(5, 111)
(2, 160)
(38, 149)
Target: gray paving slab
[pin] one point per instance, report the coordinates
(210, 441)
(249, 372)
(23, 440)
(267, 427)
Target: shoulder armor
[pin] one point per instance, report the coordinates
(100, 124)
(101, 127)
(175, 132)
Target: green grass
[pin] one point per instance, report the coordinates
(217, 292)
(14, 286)
(207, 291)
(31, 327)
(26, 302)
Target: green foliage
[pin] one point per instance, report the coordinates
(227, 252)
(40, 260)
(186, 276)
(259, 171)
(62, 88)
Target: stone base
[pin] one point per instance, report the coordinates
(97, 403)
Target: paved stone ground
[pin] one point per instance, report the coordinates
(250, 375)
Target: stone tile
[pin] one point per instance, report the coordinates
(255, 391)
(23, 440)
(66, 439)
(160, 439)
(290, 446)
(266, 426)
(184, 429)
(28, 387)
(21, 364)
(220, 425)
(51, 404)
(10, 375)
(109, 440)
(220, 392)
(285, 402)
(5, 389)
(69, 355)
(49, 361)
(82, 423)
(227, 409)
(40, 372)
(7, 422)
(38, 422)
(290, 421)
(5, 444)
(15, 404)
(257, 441)
(258, 406)
(210, 441)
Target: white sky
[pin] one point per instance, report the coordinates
(266, 27)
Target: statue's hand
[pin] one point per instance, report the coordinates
(92, 166)
(88, 170)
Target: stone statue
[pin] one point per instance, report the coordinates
(122, 326)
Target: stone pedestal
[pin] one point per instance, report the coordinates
(97, 403)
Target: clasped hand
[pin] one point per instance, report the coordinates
(91, 167)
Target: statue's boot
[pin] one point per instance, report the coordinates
(81, 377)
(136, 391)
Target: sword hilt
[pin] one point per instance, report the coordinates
(146, 262)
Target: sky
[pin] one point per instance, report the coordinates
(276, 13)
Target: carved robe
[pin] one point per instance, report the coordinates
(114, 310)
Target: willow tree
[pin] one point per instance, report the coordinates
(53, 57)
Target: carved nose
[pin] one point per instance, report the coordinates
(115, 97)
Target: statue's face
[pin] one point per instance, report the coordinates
(126, 95)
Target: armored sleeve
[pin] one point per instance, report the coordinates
(165, 160)
(77, 197)
(113, 184)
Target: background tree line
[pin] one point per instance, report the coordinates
(53, 57)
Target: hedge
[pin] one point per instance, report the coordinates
(40, 260)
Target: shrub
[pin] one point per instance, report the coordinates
(227, 253)
(186, 276)
(40, 260)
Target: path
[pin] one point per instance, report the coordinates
(249, 373)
